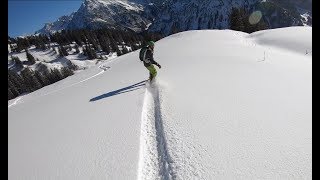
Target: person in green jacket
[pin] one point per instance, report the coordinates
(146, 55)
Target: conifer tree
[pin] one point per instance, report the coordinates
(65, 71)
(237, 20)
(10, 94)
(62, 51)
(55, 75)
(12, 90)
(30, 58)
(30, 80)
(17, 61)
(41, 78)
(77, 48)
(17, 81)
(124, 49)
(119, 53)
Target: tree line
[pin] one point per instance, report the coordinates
(28, 80)
(25, 80)
(99, 40)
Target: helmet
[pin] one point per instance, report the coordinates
(150, 43)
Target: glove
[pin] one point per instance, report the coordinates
(159, 66)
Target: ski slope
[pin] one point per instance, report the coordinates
(225, 105)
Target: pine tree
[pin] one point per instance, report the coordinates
(41, 78)
(65, 51)
(105, 44)
(13, 49)
(30, 80)
(90, 52)
(17, 81)
(237, 19)
(22, 43)
(119, 53)
(39, 43)
(113, 46)
(41, 67)
(56, 75)
(30, 58)
(84, 51)
(12, 90)
(134, 47)
(93, 53)
(65, 71)
(77, 37)
(124, 49)
(10, 94)
(73, 67)
(47, 75)
(62, 51)
(17, 61)
(77, 48)
(93, 40)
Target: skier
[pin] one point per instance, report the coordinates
(146, 55)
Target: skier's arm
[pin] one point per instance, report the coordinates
(152, 61)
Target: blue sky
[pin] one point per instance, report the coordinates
(28, 16)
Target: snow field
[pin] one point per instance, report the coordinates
(218, 109)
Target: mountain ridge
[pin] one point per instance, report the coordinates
(170, 15)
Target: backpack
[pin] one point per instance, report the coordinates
(142, 54)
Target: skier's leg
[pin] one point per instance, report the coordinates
(153, 71)
(150, 75)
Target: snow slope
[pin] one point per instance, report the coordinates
(51, 59)
(225, 105)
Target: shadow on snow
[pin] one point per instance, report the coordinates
(120, 91)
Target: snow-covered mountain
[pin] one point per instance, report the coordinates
(184, 15)
(60, 24)
(94, 14)
(111, 14)
(166, 16)
(225, 105)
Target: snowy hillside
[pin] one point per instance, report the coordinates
(50, 58)
(225, 105)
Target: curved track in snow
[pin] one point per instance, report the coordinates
(74, 83)
(18, 99)
(154, 159)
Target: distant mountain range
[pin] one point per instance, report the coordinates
(168, 15)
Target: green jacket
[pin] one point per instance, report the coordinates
(148, 60)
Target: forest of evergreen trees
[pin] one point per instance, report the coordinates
(28, 80)
(91, 41)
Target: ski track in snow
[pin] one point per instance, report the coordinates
(154, 159)
(16, 101)
(74, 83)
(104, 67)
(87, 78)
